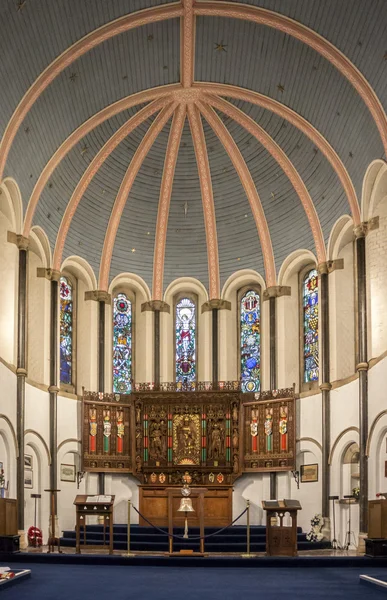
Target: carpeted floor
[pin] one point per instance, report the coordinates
(68, 582)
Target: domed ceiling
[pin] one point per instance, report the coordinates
(190, 138)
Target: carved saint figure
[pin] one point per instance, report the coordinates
(216, 449)
(269, 429)
(283, 428)
(107, 430)
(156, 433)
(254, 430)
(120, 431)
(92, 430)
(138, 438)
(186, 436)
(235, 438)
(236, 464)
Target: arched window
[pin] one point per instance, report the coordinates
(122, 344)
(250, 341)
(310, 325)
(185, 336)
(66, 292)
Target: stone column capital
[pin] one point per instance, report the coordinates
(216, 303)
(99, 296)
(365, 227)
(50, 274)
(154, 305)
(275, 291)
(19, 240)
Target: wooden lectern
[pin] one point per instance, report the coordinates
(94, 505)
(377, 518)
(174, 497)
(281, 540)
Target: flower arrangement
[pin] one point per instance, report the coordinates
(315, 534)
(356, 492)
(2, 478)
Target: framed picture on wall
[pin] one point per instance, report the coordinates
(67, 472)
(28, 478)
(27, 461)
(309, 473)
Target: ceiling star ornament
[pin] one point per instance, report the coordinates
(20, 5)
(73, 77)
(350, 155)
(85, 149)
(280, 88)
(27, 130)
(220, 47)
(150, 37)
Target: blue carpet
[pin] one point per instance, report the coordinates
(64, 582)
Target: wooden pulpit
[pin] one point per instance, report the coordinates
(94, 505)
(281, 539)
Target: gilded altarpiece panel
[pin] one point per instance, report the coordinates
(269, 431)
(106, 432)
(196, 432)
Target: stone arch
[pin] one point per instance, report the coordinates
(38, 307)
(342, 288)
(9, 440)
(371, 188)
(288, 317)
(13, 199)
(375, 205)
(34, 442)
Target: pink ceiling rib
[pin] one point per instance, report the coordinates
(87, 43)
(286, 165)
(78, 134)
(207, 199)
(125, 187)
(302, 124)
(165, 200)
(248, 184)
(92, 169)
(311, 38)
(187, 41)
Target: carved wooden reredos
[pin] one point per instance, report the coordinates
(215, 435)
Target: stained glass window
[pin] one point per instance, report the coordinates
(310, 308)
(250, 341)
(122, 344)
(185, 341)
(66, 330)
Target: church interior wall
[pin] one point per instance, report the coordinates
(255, 487)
